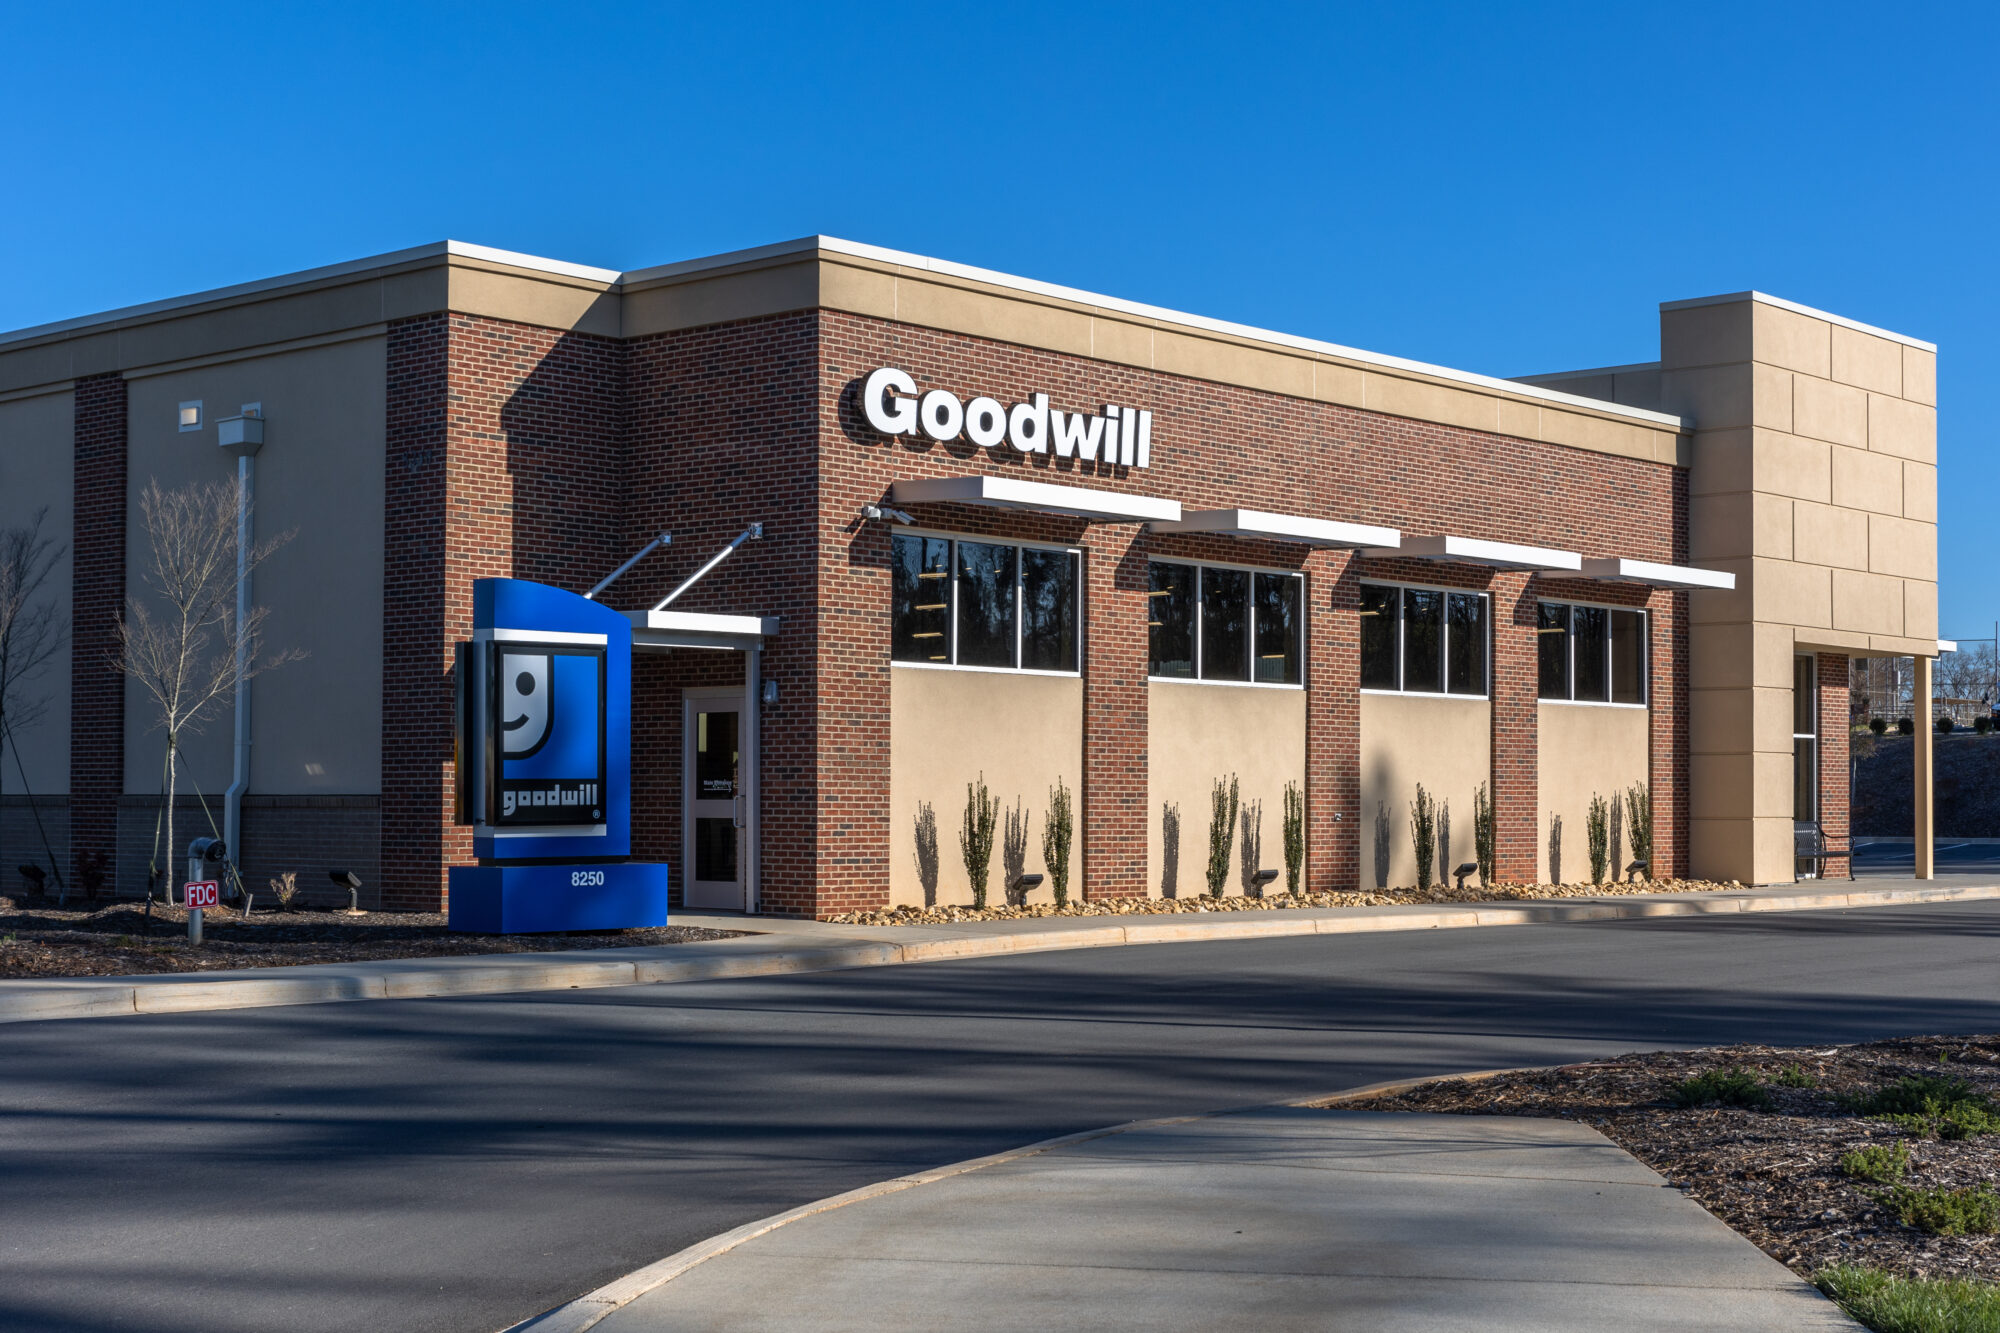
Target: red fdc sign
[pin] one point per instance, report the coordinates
(203, 893)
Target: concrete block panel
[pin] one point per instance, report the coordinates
(1826, 535)
(1920, 375)
(1722, 656)
(1705, 335)
(1902, 547)
(1124, 342)
(1920, 609)
(1442, 742)
(1197, 733)
(1792, 593)
(1771, 404)
(1919, 491)
(1867, 603)
(1424, 401)
(1772, 527)
(1519, 418)
(1905, 429)
(1729, 606)
(1790, 465)
(1785, 338)
(1774, 862)
(1870, 481)
(1828, 411)
(1720, 462)
(1866, 361)
(1832, 641)
(1722, 848)
(1638, 388)
(941, 305)
(1348, 386)
(1775, 646)
(1721, 786)
(1721, 722)
(1719, 526)
(1712, 397)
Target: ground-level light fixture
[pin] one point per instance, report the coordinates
(1469, 868)
(350, 881)
(1263, 877)
(1638, 868)
(1026, 884)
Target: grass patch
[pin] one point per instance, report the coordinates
(1792, 1076)
(1972, 1211)
(1883, 1163)
(1930, 1105)
(1721, 1087)
(1891, 1304)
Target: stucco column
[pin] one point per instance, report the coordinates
(1920, 710)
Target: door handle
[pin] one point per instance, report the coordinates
(736, 816)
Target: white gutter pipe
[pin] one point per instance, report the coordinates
(243, 436)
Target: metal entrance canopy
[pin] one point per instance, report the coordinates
(1477, 551)
(663, 631)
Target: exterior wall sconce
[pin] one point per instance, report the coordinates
(883, 511)
(190, 415)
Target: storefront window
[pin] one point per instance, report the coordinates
(1209, 622)
(1591, 654)
(1805, 741)
(1423, 640)
(984, 604)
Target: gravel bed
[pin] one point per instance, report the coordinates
(38, 939)
(1276, 901)
(1773, 1175)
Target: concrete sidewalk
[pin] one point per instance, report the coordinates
(1278, 1218)
(783, 946)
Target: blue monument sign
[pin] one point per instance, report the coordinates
(544, 767)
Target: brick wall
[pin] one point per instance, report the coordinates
(308, 835)
(1836, 782)
(97, 599)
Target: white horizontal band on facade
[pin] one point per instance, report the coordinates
(1478, 551)
(1285, 528)
(1618, 569)
(1041, 496)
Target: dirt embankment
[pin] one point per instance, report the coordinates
(1967, 794)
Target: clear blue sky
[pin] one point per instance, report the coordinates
(1507, 189)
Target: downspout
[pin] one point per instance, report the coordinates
(244, 436)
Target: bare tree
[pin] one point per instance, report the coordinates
(33, 630)
(179, 642)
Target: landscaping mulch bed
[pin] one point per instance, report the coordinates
(39, 939)
(1773, 1175)
(1275, 901)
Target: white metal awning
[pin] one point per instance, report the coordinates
(1476, 551)
(660, 631)
(1016, 493)
(1618, 569)
(1283, 528)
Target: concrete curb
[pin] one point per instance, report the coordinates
(587, 1310)
(776, 953)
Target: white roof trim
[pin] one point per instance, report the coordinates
(1477, 551)
(1013, 493)
(1283, 527)
(698, 629)
(1947, 645)
(1618, 569)
(1797, 309)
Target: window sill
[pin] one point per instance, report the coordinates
(1429, 694)
(1226, 684)
(1592, 703)
(984, 670)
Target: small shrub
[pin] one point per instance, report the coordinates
(1895, 1304)
(1597, 833)
(1882, 1163)
(1929, 1104)
(1944, 725)
(1983, 723)
(1295, 836)
(1878, 725)
(1058, 832)
(1793, 1076)
(1905, 727)
(1423, 836)
(975, 837)
(1223, 805)
(1969, 1211)
(1482, 833)
(285, 888)
(1721, 1087)
(93, 869)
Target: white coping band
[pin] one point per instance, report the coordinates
(1618, 569)
(1284, 528)
(834, 245)
(1011, 493)
(1477, 551)
(1767, 299)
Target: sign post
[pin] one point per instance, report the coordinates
(198, 894)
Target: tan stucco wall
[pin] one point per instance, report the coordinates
(1406, 739)
(947, 728)
(1586, 750)
(37, 444)
(318, 722)
(1197, 733)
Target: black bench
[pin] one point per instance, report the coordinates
(1810, 843)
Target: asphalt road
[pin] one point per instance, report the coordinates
(462, 1164)
(1953, 857)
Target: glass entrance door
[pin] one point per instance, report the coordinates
(712, 802)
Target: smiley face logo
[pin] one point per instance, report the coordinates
(527, 702)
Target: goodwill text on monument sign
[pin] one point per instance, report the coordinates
(1118, 436)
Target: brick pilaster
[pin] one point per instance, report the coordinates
(1517, 824)
(97, 597)
(1835, 777)
(1115, 703)
(1333, 723)
(1667, 691)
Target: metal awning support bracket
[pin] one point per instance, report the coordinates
(752, 533)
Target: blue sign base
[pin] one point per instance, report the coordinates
(522, 900)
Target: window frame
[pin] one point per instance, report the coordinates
(1444, 690)
(1020, 603)
(1645, 615)
(1812, 738)
(1249, 625)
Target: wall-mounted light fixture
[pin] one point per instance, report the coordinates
(770, 691)
(883, 511)
(190, 415)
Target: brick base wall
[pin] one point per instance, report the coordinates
(308, 835)
(21, 839)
